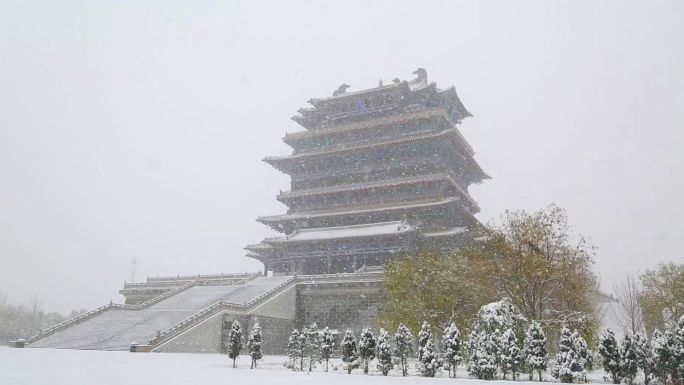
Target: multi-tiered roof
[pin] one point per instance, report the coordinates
(376, 174)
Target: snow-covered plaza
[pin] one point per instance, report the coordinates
(86, 367)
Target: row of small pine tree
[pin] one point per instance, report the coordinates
(661, 359)
(489, 353)
(310, 344)
(253, 344)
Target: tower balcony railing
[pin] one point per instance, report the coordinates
(361, 186)
(343, 253)
(198, 276)
(363, 141)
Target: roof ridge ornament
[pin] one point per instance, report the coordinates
(420, 81)
(341, 90)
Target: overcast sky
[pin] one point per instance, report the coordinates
(137, 129)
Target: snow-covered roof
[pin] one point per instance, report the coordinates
(357, 210)
(257, 246)
(381, 183)
(356, 93)
(386, 228)
(365, 185)
(252, 254)
(383, 142)
(440, 111)
(452, 231)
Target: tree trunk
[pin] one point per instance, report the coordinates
(233, 362)
(540, 375)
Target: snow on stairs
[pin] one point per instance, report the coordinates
(243, 300)
(118, 327)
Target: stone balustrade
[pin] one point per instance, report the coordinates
(215, 308)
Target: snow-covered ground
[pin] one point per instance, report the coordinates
(86, 367)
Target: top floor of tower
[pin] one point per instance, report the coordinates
(383, 101)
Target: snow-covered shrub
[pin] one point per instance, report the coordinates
(501, 315)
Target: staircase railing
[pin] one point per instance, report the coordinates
(215, 308)
(162, 296)
(78, 319)
(272, 291)
(110, 306)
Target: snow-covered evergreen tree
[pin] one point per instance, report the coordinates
(535, 343)
(678, 350)
(312, 344)
(424, 335)
(254, 345)
(629, 362)
(509, 353)
(610, 356)
(579, 344)
(403, 341)
(429, 363)
(471, 350)
(645, 357)
(234, 341)
(501, 315)
(662, 357)
(481, 363)
(384, 352)
(673, 363)
(349, 353)
(327, 346)
(451, 347)
(294, 347)
(568, 365)
(367, 346)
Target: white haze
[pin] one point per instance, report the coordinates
(137, 128)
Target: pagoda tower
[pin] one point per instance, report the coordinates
(376, 174)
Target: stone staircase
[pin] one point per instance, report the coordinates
(165, 317)
(116, 326)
